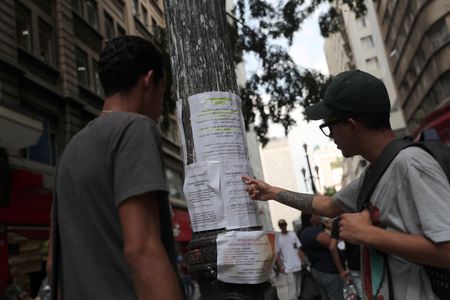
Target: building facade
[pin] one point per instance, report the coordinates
(277, 165)
(328, 167)
(49, 90)
(416, 34)
(359, 45)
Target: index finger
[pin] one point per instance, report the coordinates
(248, 179)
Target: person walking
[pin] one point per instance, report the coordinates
(406, 224)
(289, 259)
(112, 208)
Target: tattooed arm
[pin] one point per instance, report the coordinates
(310, 203)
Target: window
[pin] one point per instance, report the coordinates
(442, 87)
(45, 5)
(88, 10)
(144, 16)
(135, 7)
(45, 150)
(154, 26)
(387, 16)
(372, 63)
(34, 31)
(362, 22)
(121, 31)
(97, 83)
(46, 46)
(82, 67)
(23, 27)
(109, 27)
(91, 13)
(367, 42)
(175, 184)
(78, 6)
(439, 33)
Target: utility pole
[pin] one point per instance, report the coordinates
(202, 61)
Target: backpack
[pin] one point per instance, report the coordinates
(439, 277)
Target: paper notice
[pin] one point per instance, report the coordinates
(241, 211)
(245, 257)
(202, 192)
(217, 126)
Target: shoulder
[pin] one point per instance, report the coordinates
(121, 119)
(292, 235)
(127, 126)
(309, 233)
(346, 197)
(133, 120)
(414, 158)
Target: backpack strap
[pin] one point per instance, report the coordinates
(440, 152)
(377, 169)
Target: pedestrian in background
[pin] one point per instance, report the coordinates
(112, 209)
(315, 244)
(289, 259)
(406, 223)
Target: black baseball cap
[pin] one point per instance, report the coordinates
(355, 92)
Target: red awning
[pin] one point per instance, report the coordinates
(181, 225)
(439, 120)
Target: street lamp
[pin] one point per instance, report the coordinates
(304, 177)
(313, 186)
(316, 168)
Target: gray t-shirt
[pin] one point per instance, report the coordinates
(412, 196)
(116, 156)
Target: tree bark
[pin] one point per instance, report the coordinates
(202, 61)
(200, 52)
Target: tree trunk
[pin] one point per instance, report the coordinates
(202, 61)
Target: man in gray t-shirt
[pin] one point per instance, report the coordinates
(408, 214)
(112, 206)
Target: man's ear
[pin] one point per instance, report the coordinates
(148, 78)
(353, 123)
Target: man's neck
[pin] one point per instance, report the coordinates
(375, 143)
(121, 102)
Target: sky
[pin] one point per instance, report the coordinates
(307, 51)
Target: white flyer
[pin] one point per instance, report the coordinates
(203, 196)
(240, 210)
(217, 126)
(245, 257)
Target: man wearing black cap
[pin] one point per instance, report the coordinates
(408, 214)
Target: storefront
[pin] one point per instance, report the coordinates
(24, 205)
(24, 232)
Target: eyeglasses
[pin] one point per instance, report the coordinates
(326, 127)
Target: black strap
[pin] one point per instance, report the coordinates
(371, 179)
(377, 170)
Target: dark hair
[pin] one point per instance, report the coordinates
(372, 121)
(125, 59)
